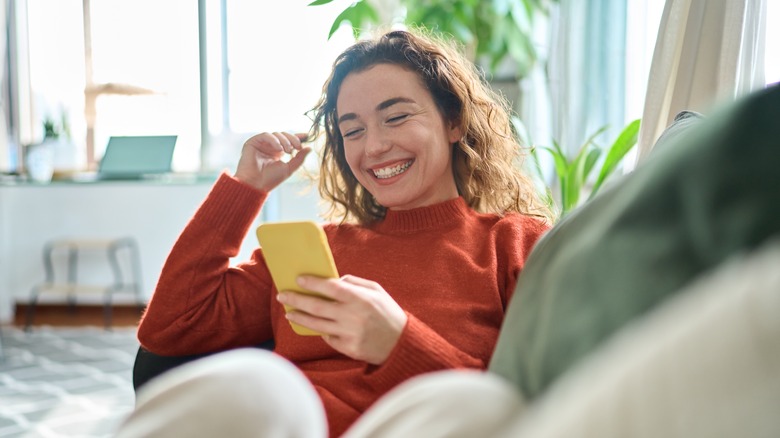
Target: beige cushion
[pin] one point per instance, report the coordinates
(704, 364)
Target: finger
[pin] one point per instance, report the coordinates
(326, 327)
(303, 137)
(295, 142)
(313, 322)
(297, 160)
(283, 141)
(311, 304)
(332, 288)
(362, 282)
(261, 142)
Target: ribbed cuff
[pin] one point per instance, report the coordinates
(419, 350)
(231, 207)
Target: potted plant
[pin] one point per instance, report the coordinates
(574, 181)
(42, 159)
(494, 32)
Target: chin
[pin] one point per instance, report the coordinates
(388, 202)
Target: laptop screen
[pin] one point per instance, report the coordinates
(135, 156)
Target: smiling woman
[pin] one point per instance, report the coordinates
(440, 83)
(419, 161)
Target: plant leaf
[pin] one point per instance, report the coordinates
(558, 149)
(570, 191)
(590, 160)
(561, 164)
(562, 169)
(539, 180)
(622, 145)
(319, 2)
(592, 139)
(337, 22)
(575, 178)
(356, 14)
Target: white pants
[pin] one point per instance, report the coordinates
(706, 363)
(255, 393)
(241, 393)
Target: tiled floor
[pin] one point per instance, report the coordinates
(65, 382)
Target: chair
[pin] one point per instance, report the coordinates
(149, 365)
(127, 279)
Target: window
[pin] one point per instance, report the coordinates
(139, 60)
(242, 66)
(131, 69)
(275, 58)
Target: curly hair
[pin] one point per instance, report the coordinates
(486, 160)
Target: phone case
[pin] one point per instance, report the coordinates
(292, 249)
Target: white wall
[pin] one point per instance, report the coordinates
(153, 213)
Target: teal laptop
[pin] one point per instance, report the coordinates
(136, 157)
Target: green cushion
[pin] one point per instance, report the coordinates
(711, 192)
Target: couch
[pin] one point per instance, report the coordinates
(696, 225)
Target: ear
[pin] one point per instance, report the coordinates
(455, 133)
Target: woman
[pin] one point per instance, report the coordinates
(434, 225)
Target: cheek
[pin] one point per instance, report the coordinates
(443, 154)
(352, 156)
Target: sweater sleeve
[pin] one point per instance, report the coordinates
(200, 303)
(419, 350)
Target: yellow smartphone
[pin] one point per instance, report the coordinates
(292, 249)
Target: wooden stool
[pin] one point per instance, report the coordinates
(131, 282)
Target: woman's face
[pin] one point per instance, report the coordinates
(397, 143)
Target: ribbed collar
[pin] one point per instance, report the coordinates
(423, 218)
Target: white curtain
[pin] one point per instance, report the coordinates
(707, 52)
(586, 71)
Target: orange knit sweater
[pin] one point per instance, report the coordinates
(451, 269)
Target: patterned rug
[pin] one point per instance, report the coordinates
(65, 382)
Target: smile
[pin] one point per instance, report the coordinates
(389, 172)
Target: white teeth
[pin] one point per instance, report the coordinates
(389, 172)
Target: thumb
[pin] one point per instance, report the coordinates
(296, 161)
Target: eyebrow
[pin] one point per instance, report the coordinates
(382, 105)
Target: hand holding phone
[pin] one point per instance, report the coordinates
(292, 249)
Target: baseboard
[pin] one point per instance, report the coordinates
(78, 315)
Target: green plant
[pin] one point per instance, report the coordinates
(53, 130)
(50, 129)
(492, 31)
(573, 174)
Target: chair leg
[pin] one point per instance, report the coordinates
(135, 263)
(107, 311)
(2, 354)
(31, 309)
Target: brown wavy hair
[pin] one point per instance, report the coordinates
(486, 160)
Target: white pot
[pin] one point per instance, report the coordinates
(40, 162)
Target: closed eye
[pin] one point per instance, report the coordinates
(396, 119)
(351, 133)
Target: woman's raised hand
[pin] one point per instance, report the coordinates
(261, 164)
(359, 318)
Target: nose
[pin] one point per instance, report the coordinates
(377, 142)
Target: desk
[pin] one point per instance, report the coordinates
(154, 212)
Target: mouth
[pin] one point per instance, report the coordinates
(391, 171)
